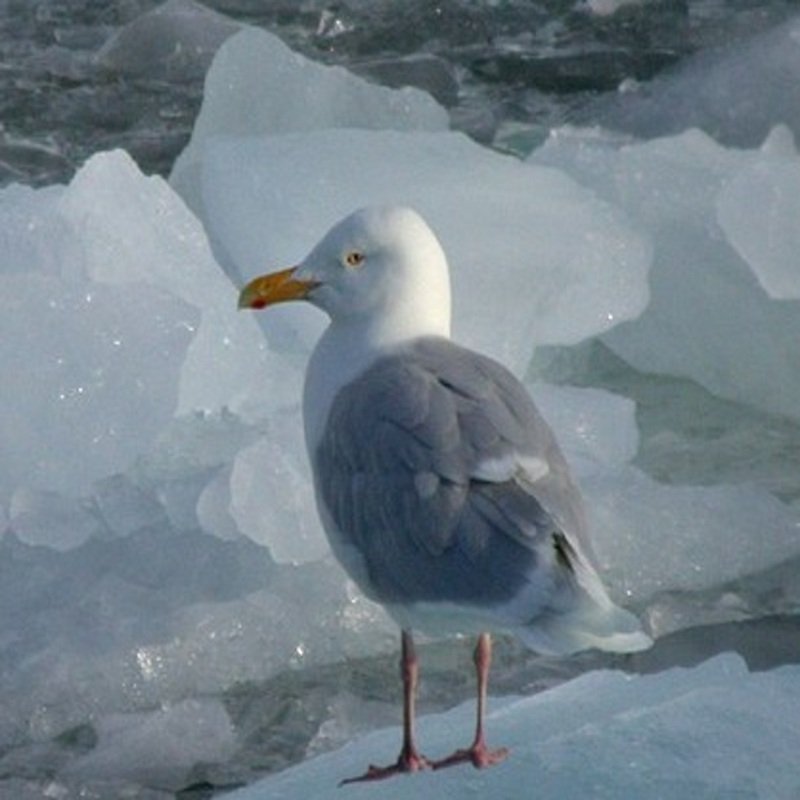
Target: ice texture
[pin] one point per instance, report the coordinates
(174, 42)
(159, 546)
(89, 381)
(272, 493)
(156, 241)
(736, 93)
(159, 748)
(709, 318)
(509, 230)
(597, 428)
(713, 731)
(758, 209)
(111, 291)
(653, 539)
(46, 518)
(258, 86)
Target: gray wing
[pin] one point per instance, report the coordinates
(438, 468)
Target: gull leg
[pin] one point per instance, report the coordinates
(409, 759)
(478, 754)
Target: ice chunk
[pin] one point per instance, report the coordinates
(709, 319)
(736, 93)
(759, 208)
(175, 41)
(158, 748)
(29, 225)
(125, 507)
(256, 85)
(140, 232)
(107, 364)
(534, 257)
(596, 429)
(305, 618)
(180, 498)
(49, 519)
(604, 734)
(651, 538)
(110, 289)
(654, 539)
(272, 496)
(213, 507)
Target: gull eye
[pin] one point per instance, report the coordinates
(354, 258)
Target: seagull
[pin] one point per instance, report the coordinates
(442, 490)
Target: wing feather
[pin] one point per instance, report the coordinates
(425, 467)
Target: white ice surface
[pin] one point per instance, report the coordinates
(110, 290)
(534, 258)
(272, 494)
(258, 86)
(652, 538)
(142, 233)
(715, 732)
(709, 318)
(596, 428)
(758, 209)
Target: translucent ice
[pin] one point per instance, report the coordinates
(158, 748)
(256, 86)
(90, 379)
(138, 231)
(125, 507)
(709, 318)
(175, 41)
(713, 731)
(653, 538)
(272, 496)
(534, 257)
(767, 239)
(213, 507)
(49, 519)
(110, 289)
(735, 93)
(596, 428)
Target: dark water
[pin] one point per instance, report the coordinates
(535, 62)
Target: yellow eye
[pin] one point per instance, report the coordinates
(354, 259)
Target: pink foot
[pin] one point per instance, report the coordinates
(479, 755)
(407, 762)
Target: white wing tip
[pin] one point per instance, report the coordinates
(612, 629)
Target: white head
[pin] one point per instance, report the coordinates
(381, 266)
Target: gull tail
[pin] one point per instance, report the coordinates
(585, 616)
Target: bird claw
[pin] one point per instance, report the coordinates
(479, 755)
(407, 762)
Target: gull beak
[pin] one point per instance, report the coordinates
(277, 287)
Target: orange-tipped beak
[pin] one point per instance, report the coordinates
(277, 287)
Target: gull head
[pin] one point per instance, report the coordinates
(380, 263)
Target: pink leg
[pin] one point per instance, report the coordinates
(478, 754)
(410, 759)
